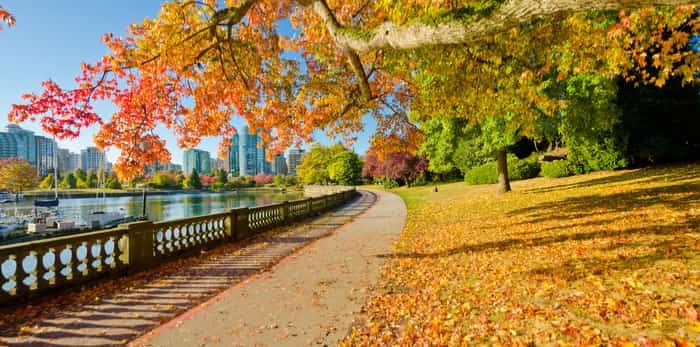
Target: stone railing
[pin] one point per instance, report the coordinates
(32, 268)
(320, 190)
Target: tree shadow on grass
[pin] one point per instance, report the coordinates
(519, 243)
(643, 175)
(678, 197)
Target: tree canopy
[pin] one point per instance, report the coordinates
(17, 174)
(197, 64)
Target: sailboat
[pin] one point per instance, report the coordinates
(105, 219)
(51, 202)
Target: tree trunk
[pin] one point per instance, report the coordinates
(503, 180)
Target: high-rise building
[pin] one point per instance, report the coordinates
(197, 160)
(279, 166)
(46, 155)
(232, 162)
(8, 145)
(248, 153)
(92, 159)
(260, 160)
(74, 161)
(64, 161)
(19, 143)
(293, 160)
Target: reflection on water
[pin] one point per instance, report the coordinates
(159, 207)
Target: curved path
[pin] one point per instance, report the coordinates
(311, 298)
(144, 301)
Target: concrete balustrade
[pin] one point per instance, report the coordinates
(34, 268)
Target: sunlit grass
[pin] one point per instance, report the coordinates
(605, 258)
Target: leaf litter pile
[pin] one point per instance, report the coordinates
(610, 258)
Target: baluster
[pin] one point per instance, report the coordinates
(99, 258)
(42, 270)
(21, 274)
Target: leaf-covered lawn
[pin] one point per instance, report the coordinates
(608, 258)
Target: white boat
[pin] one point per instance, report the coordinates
(102, 219)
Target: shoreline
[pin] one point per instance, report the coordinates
(117, 194)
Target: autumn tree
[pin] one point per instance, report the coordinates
(7, 17)
(345, 168)
(69, 181)
(200, 63)
(400, 166)
(193, 181)
(17, 175)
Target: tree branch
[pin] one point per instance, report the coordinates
(509, 15)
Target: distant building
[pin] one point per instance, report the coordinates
(158, 166)
(232, 162)
(248, 153)
(217, 163)
(8, 145)
(197, 160)
(64, 161)
(293, 160)
(260, 161)
(92, 159)
(16, 142)
(46, 155)
(74, 161)
(279, 165)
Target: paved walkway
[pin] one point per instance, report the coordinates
(121, 317)
(311, 298)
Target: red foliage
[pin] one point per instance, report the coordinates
(207, 180)
(7, 17)
(262, 178)
(402, 166)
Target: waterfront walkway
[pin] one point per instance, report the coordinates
(309, 297)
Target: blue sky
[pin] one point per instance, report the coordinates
(52, 37)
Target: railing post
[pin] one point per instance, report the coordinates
(141, 245)
(230, 224)
(309, 204)
(242, 227)
(285, 212)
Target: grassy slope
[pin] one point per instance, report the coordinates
(610, 257)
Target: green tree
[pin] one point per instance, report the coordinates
(193, 181)
(47, 182)
(221, 176)
(113, 183)
(345, 168)
(313, 168)
(163, 179)
(279, 180)
(68, 182)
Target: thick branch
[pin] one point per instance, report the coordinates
(322, 9)
(510, 14)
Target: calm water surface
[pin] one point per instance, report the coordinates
(159, 207)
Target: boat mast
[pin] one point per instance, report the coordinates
(55, 169)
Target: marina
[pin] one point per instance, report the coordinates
(93, 213)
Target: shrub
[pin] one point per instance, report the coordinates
(483, 174)
(388, 183)
(518, 169)
(113, 183)
(420, 181)
(522, 169)
(558, 168)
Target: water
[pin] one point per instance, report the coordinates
(159, 207)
